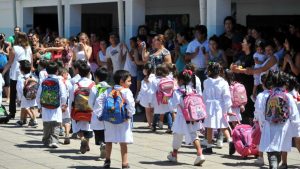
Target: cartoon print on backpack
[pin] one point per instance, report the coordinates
(50, 95)
(30, 88)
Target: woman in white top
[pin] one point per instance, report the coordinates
(101, 59)
(83, 50)
(20, 51)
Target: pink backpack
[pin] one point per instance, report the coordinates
(194, 108)
(165, 90)
(238, 94)
(256, 133)
(243, 140)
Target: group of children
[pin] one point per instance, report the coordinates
(97, 109)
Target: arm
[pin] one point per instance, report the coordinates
(225, 64)
(10, 61)
(145, 55)
(295, 68)
(52, 49)
(168, 59)
(128, 97)
(136, 58)
(227, 99)
(20, 86)
(123, 52)
(266, 67)
(88, 52)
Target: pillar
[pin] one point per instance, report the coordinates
(218, 10)
(72, 22)
(121, 19)
(60, 18)
(203, 11)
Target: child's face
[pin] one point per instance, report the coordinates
(269, 50)
(65, 75)
(127, 82)
(259, 50)
(145, 72)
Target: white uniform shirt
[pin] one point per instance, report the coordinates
(199, 60)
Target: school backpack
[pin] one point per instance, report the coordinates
(81, 110)
(238, 94)
(243, 140)
(194, 108)
(3, 61)
(50, 95)
(30, 88)
(66, 55)
(165, 90)
(277, 108)
(4, 117)
(114, 110)
(256, 133)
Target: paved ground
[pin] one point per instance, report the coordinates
(22, 148)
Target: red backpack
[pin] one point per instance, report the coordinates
(238, 94)
(165, 90)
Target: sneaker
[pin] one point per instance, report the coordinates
(283, 166)
(102, 151)
(169, 131)
(83, 146)
(67, 141)
(106, 164)
(208, 151)
(61, 132)
(199, 160)
(231, 148)
(259, 161)
(273, 160)
(53, 145)
(33, 123)
(171, 158)
(219, 143)
(153, 129)
(125, 166)
(20, 123)
(160, 125)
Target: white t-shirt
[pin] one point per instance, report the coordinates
(102, 56)
(199, 60)
(130, 66)
(259, 57)
(114, 53)
(20, 54)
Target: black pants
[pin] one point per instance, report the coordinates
(202, 76)
(99, 137)
(12, 98)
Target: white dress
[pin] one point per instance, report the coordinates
(180, 126)
(218, 102)
(145, 94)
(120, 133)
(20, 86)
(261, 98)
(296, 125)
(237, 117)
(277, 137)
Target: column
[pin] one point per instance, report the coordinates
(14, 11)
(27, 19)
(203, 11)
(218, 10)
(72, 19)
(121, 19)
(60, 18)
(134, 16)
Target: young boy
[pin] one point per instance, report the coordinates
(81, 111)
(118, 131)
(52, 98)
(96, 96)
(27, 86)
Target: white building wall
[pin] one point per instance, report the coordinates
(6, 17)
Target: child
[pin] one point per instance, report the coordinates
(276, 115)
(218, 105)
(81, 111)
(52, 98)
(120, 132)
(43, 73)
(144, 94)
(27, 86)
(259, 58)
(66, 115)
(101, 75)
(160, 108)
(181, 127)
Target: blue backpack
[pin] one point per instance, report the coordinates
(50, 95)
(114, 110)
(3, 61)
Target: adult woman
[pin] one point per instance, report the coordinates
(83, 50)
(160, 55)
(182, 39)
(291, 61)
(215, 54)
(246, 60)
(20, 51)
(4, 53)
(101, 59)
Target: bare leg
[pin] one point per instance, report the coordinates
(198, 147)
(161, 118)
(67, 129)
(227, 134)
(149, 116)
(209, 135)
(284, 157)
(7, 92)
(124, 154)
(108, 149)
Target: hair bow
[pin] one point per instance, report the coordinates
(189, 72)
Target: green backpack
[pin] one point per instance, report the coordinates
(3, 115)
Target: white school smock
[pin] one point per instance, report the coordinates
(218, 102)
(20, 87)
(237, 117)
(68, 86)
(53, 114)
(296, 125)
(158, 108)
(179, 125)
(120, 133)
(94, 101)
(277, 137)
(80, 125)
(43, 75)
(261, 98)
(145, 93)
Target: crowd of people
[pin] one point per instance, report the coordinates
(187, 80)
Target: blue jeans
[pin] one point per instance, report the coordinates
(169, 119)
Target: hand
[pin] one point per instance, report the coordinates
(242, 109)
(231, 114)
(288, 58)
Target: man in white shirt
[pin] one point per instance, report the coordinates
(196, 50)
(115, 54)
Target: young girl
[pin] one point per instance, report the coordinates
(144, 94)
(276, 136)
(181, 127)
(162, 71)
(218, 105)
(119, 133)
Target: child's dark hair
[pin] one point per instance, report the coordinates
(60, 64)
(185, 76)
(52, 68)
(172, 68)
(192, 68)
(77, 63)
(267, 84)
(214, 69)
(149, 68)
(25, 66)
(84, 69)
(62, 70)
(162, 70)
(43, 63)
(215, 39)
(101, 74)
(291, 83)
(276, 79)
(121, 75)
(260, 44)
(229, 76)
